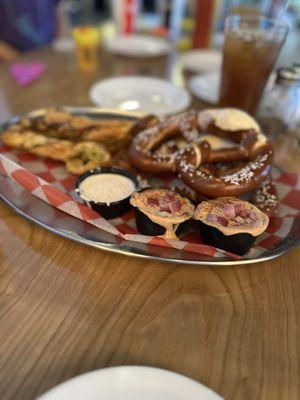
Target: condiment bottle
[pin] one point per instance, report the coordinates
(87, 45)
(280, 109)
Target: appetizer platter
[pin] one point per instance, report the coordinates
(199, 187)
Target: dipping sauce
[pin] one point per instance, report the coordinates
(106, 188)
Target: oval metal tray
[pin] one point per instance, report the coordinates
(54, 220)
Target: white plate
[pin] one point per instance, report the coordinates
(130, 383)
(201, 60)
(206, 86)
(138, 46)
(142, 94)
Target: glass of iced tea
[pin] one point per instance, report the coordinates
(251, 48)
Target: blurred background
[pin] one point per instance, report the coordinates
(70, 47)
(29, 24)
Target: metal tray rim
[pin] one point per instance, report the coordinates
(115, 248)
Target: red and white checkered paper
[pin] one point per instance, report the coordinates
(49, 181)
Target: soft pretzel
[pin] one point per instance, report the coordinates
(143, 123)
(156, 149)
(265, 197)
(253, 147)
(142, 152)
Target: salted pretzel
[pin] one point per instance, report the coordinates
(156, 148)
(143, 123)
(146, 152)
(252, 147)
(265, 197)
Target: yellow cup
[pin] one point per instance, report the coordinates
(87, 43)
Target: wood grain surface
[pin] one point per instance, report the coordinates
(66, 309)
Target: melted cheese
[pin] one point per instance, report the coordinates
(254, 228)
(217, 143)
(168, 221)
(228, 119)
(261, 140)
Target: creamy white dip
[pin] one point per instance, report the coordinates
(106, 188)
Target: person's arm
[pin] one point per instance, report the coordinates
(7, 52)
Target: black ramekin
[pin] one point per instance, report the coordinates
(146, 226)
(117, 208)
(239, 243)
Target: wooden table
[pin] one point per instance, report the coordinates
(66, 309)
